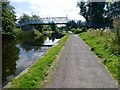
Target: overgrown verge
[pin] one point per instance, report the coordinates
(36, 74)
(100, 43)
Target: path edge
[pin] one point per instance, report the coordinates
(52, 70)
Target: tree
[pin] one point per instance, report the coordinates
(79, 24)
(114, 9)
(39, 27)
(100, 12)
(92, 11)
(83, 9)
(8, 19)
(54, 27)
(71, 24)
(35, 16)
(23, 18)
(96, 11)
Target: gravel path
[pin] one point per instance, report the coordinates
(80, 68)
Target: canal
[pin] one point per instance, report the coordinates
(19, 54)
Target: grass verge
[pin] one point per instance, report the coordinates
(98, 43)
(36, 74)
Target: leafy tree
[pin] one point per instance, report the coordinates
(8, 19)
(71, 24)
(83, 9)
(92, 11)
(79, 24)
(113, 9)
(23, 18)
(96, 11)
(39, 27)
(35, 16)
(99, 12)
(54, 27)
(10, 53)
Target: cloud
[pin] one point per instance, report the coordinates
(19, 1)
(52, 8)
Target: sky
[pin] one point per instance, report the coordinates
(48, 8)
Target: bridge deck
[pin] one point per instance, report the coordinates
(45, 21)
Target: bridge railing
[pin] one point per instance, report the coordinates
(47, 20)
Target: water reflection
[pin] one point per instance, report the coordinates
(26, 58)
(10, 53)
(18, 54)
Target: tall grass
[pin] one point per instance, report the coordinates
(116, 39)
(101, 43)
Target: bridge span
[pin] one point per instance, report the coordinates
(33, 22)
(45, 21)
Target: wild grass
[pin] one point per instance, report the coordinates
(100, 43)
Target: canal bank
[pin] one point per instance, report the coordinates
(20, 53)
(37, 72)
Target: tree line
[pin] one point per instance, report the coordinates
(99, 12)
(9, 21)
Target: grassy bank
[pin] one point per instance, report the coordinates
(36, 74)
(99, 43)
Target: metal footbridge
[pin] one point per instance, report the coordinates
(44, 21)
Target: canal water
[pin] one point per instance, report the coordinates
(19, 54)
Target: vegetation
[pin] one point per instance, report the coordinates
(23, 18)
(54, 28)
(92, 10)
(37, 34)
(99, 42)
(72, 24)
(36, 74)
(41, 28)
(21, 34)
(8, 20)
(99, 12)
(76, 31)
(115, 44)
(113, 9)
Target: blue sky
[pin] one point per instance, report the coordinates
(48, 8)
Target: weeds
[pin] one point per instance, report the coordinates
(104, 46)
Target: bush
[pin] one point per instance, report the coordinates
(78, 30)
(73, 29)
(37, 33)
(115, 43)
(103, 46)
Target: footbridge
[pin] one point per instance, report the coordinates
(45, 21)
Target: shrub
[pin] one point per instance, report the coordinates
(78, 30)
(37, 33)
(73, 29)
(115, 43)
